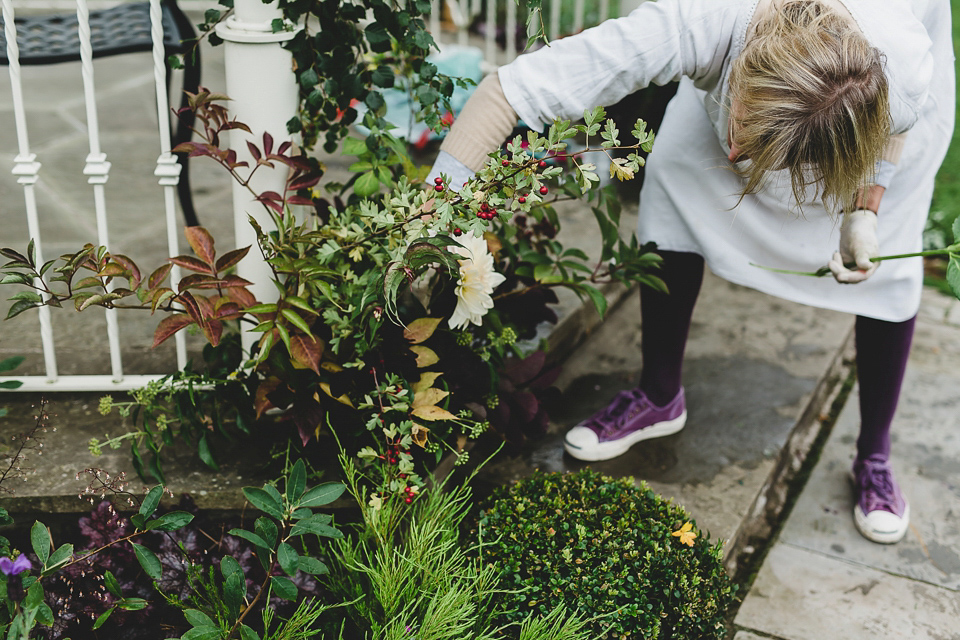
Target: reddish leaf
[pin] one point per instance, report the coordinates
(213, 330)
(169, 326)
(299, 200)
(304, 182)
(242, 297)
(231, 258)
(201, 242)
(234, 282)
(260, 402)
(158, 276)
(191, 263)
(226, 310)
(306, 351)
(236, 125)
(267, 200)
(193, 308)
(284, 146)
(197, 281)
(131, 266)
(112, 269)
(254, 151)
(522, 371)
(267, 143)
(159, 296)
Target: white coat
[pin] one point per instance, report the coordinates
(690, 193)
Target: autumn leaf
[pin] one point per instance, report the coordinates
(425, 356)
(427, 397)
(421, 329)
(686, 534)
(343, 399)
(427, 378)
(419, 434)
(620, 170)
(432, 412)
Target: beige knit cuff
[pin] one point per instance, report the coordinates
(482, 126)
(891, 152)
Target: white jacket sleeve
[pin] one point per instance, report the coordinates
(657, 43)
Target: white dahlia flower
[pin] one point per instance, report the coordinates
(477, 281)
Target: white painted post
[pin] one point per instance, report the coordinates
(263, 95)
(27, 170)
(97, 170)
(168, 169)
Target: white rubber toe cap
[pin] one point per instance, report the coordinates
(882, 526)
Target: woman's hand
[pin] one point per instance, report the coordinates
(858, 244)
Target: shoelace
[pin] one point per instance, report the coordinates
(876, 484)
(610, 417)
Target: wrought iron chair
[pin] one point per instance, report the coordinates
(125, 28)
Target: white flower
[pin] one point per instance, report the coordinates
(477, 281)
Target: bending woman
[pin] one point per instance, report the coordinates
(801, 130)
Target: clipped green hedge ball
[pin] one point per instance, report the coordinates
(618, 553)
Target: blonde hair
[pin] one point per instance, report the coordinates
(811, 98)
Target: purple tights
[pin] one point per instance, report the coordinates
(882, 350)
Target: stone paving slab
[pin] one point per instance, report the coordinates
(804, 595)
(822, 564)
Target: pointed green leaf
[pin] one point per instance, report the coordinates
(150, 501)
(149, 561)
(283, 588)
(953, 274)
(322, 494)
(40, 541)
(297, 482)
(311, 565)
(288, 559)
(170, 521)
(262, 500)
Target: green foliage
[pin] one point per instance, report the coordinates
(608, 547)
(405, 573)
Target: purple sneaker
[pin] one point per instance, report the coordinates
(881, 513)
(630, 418)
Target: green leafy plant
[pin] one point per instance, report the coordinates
(282, 539)
(406, 573)
(608, 546)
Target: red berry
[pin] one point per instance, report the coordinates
(457, 231)
(543, 190)
(521, 199)
(484, 206)
(542, 164)
(505, 163)
(408, 499)
(438, 188)
(438, 180)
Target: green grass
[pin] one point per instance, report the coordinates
(946, 196)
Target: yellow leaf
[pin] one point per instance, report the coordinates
(421, 329)
(494, 245)
(419, 434)
(326, 389)
(332, 367)
(425, 356)
(686, 534)
(619, 170)
(432, 413)
(427, 378)
(429, 397)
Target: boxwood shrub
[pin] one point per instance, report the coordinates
(609, 548)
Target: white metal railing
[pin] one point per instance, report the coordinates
(260, 81)
(97, 170)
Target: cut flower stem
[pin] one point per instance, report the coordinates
(825, 270)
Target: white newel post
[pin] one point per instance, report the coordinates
(263, 95)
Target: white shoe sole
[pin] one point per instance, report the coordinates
(614, 448)
(885, 536)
